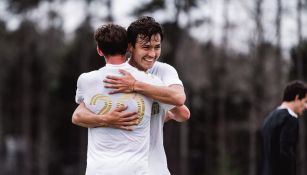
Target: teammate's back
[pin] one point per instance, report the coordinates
(110, 150)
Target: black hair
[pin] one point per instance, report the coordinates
(143, 27)
(293, 89)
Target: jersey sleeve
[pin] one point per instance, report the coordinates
(169, 75)
(159, 82)
(80, 89)
(166, 107)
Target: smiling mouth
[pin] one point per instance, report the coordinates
(149, 59)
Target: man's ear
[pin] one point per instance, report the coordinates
(100, 53)
(129, 48)
(296, 98)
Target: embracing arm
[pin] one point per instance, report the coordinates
(117, 118)
(178, 113)
(173, 94)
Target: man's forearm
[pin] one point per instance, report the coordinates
(173, 94)
(116, 118)
(85, 118)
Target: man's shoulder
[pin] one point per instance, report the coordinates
(278, 113)
(161, 68)
(284, 114)
(162, 65)
(90, 73)
(279, 116)
(86, 76)
(146, 77)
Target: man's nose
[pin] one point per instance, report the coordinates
(152, 52)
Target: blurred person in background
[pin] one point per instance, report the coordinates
(279, 132)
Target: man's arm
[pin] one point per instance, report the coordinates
(178, 113)
(173, 94)
(117, 118)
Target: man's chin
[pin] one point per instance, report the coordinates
(147, 67)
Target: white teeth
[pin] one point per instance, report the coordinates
(148, 59)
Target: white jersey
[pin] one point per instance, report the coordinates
(157, 156)
(115, 151)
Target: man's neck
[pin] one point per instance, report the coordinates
(115, 59)
(134, 64)
(289, 105)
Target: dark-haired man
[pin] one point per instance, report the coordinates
(280, 132)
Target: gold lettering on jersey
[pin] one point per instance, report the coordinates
(141, 106)
(139, 102)
(107, 103)
(155, 108)
(121, 101)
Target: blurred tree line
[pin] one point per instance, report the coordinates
(228, 92)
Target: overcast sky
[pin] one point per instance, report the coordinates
(73, 12)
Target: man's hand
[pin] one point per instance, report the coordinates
(123, 84)
(118, 118)
(178, 113)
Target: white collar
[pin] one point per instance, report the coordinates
(116, 65)
(293, 114)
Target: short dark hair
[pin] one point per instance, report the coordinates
(293, 89)
(145, 27)
(111, 39)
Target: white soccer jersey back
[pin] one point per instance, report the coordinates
(115, 151)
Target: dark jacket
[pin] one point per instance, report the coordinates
(279, 139)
